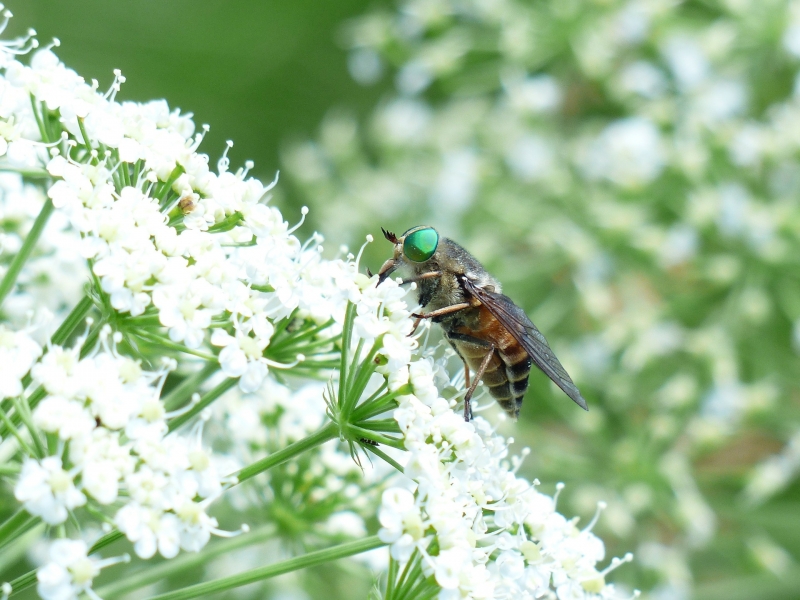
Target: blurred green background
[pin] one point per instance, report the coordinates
(642, 260)
(257, 71)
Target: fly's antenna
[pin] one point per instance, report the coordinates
(390, 236)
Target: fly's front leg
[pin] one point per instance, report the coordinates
(443, 311)
(428, 275)
(437, 313)
(490, 349)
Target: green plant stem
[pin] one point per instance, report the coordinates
(24, 413)
(286, 566)
(10, 427)
(328, 432)
(391, 576)
(23, 582)
(166, 343)
(178, 396)
(206, 400)
(106, 540)
(10, 469)
(73, 320)
(10, 278)
(347, 332)
(152, 574)
(382, 455)
(14, 526)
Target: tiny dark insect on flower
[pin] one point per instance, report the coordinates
(492, 335)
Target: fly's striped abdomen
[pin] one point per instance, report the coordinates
(506, 376)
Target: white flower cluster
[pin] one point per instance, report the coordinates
(187, 261)
(109, 411)
(495, 535)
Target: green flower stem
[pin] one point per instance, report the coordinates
(382, 455)
(317, 364)
(356, 432)
(151, 574)
(391, 576)
(106, 540)
(410, 578)
(328, 432)
(39, 122)
(382, 425)
(293, 564)
(292, 340)
(183, 391)
(74, 319)
(27, 173)
(10, 427)
(167, 343)
(354, 365)
(23, 582)
(23, 410)
(10, 468)
(395, 589)
(368, 410)
(84, 135)
(15, 551)
(10, 278)
(205, 400)
(15, 525)
(347, 333)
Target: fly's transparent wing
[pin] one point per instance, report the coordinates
(514, 319)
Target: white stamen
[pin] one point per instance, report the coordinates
(559, 486)
(303, 213)
(225, 162)
(601, 506)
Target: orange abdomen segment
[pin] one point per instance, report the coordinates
(507, 373)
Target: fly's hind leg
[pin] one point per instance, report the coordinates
(490, 348)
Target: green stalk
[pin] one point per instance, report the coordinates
(354, 365)
(152, 574)
(22, 582)
(390, 577)
(293, 564)
(347, 332)
(24, 413)
(73, 320)
(106, 540)
(166, 343)
(328, 432)
(382, 455)
(39, 123)
(354, 431)
(358, 383)
(183, 391)
(206, 400)
(85, 135)
(11, 427)
(11, 468)
(369, 409)
(15, 525)
(10, 278)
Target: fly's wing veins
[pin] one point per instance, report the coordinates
(514, 319)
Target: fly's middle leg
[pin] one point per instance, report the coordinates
(490, 349)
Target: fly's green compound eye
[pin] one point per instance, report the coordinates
(420, 245)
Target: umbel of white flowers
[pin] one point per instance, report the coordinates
(189, 273)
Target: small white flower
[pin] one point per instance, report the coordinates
(47, 490)
(69, 572)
